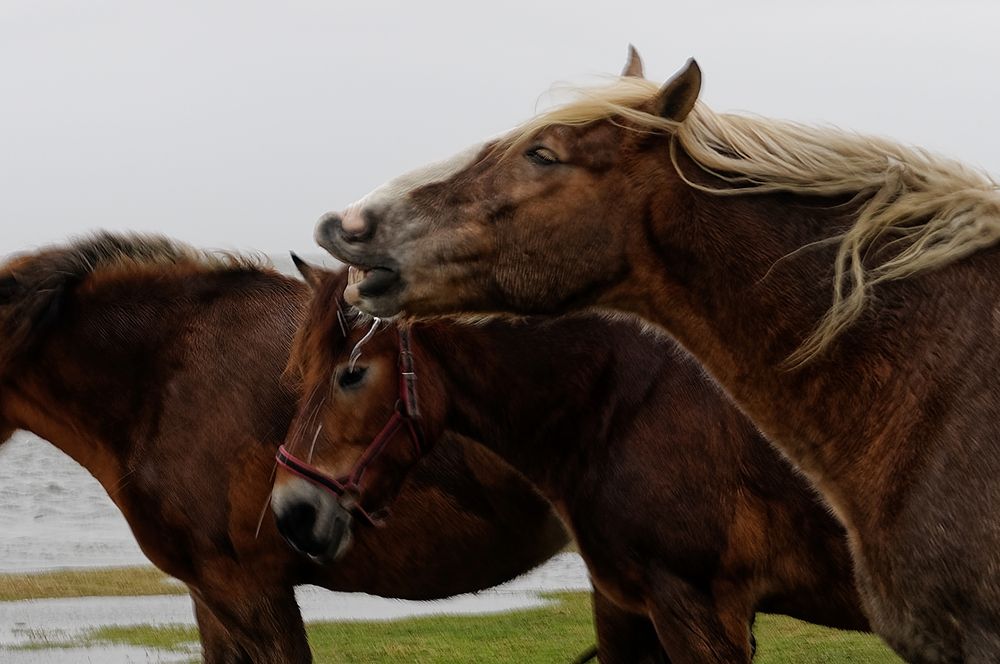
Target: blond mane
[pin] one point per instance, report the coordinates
(933, 210)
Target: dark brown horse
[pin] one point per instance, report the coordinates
(159, 369)
(842, 289)
(686, 517)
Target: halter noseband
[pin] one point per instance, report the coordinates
(347, 488)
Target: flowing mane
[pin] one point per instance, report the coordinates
(32, 284)
(932, 210)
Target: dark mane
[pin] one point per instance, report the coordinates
(33, 284)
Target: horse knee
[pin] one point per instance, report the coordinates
(694, 630)
(624, 637)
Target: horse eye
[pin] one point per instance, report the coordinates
(351, 377)
(542, 156)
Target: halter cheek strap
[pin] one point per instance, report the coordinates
(348, 488)
(408, 381)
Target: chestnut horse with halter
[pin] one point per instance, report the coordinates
(687, 519)
(841, 289)
(160, 369)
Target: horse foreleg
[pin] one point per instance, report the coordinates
(624, 637)
(218, 646)
(262, 624)
(695, 629)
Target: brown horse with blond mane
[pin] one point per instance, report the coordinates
(841, 288)
(160, 370)
(688, 520)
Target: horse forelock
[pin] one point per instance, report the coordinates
(328, 321)
(940, 209)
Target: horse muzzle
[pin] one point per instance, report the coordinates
(312, 521)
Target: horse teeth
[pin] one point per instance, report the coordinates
(354, 275)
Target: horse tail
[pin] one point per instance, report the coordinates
(590, 654)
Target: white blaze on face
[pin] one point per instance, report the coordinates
(352, 220)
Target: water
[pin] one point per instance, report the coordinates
(61, 619)
(97, 655)
(54, 514)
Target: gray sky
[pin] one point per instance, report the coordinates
(236, 124)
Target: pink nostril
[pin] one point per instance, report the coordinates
(353, 222)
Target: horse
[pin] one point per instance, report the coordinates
(839, 287)
(688, 520)
(160, 369)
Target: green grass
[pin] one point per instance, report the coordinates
(782, 640)
(168, 637)
(112, 582)
(554, 633)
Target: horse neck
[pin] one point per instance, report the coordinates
(535, 394)
(722, 280)
(87, 387)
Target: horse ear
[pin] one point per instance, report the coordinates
(633, 66)
(678, 95)
(308, 272)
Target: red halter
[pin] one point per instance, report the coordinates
(405, 415)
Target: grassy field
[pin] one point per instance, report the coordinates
(111, 582)
(555, 633)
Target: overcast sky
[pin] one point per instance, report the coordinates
(237, 124)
